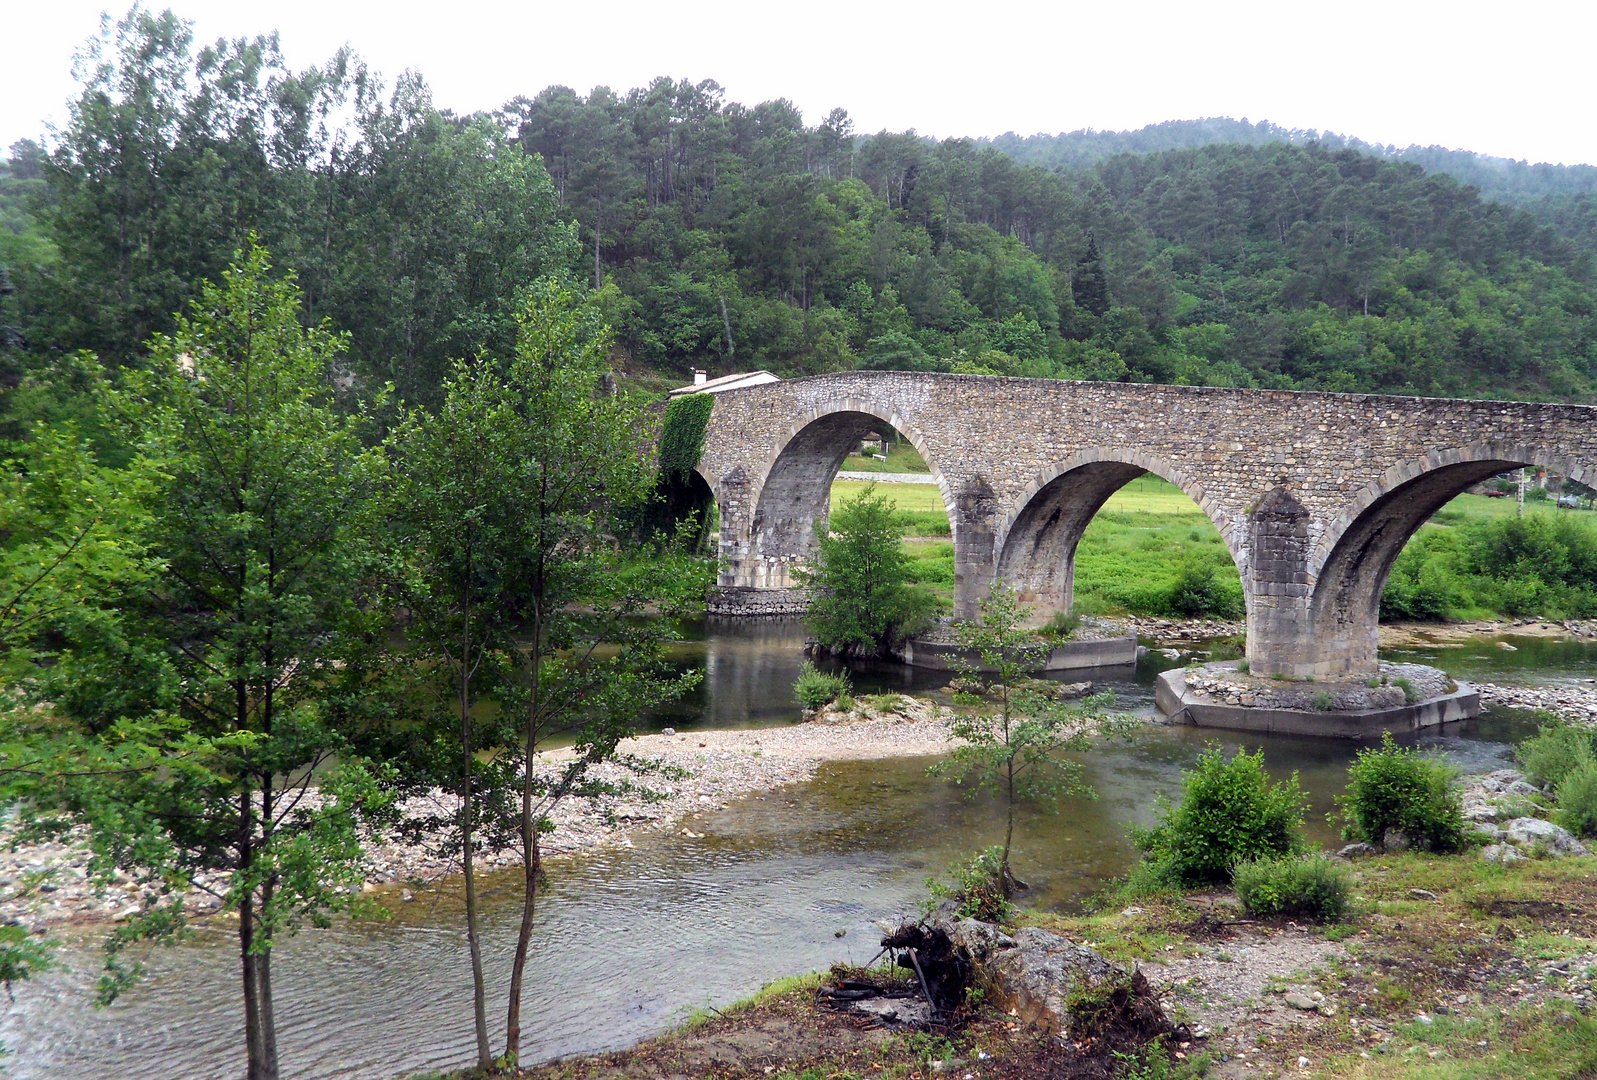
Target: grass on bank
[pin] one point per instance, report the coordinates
(1404, 954)
(1488, 932)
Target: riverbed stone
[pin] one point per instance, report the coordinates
(1535, 832)
(1504, 854)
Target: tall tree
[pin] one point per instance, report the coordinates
(453, 511)
(254, 494)
(1090, 283)
(587, 662)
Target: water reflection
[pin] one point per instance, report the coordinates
(1536, 661)
(629, 940)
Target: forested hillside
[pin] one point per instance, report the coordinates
(742, 236)
(733, 237)
(1498, 178)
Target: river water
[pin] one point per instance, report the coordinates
(630, 941)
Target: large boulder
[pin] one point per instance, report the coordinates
(1534, 832)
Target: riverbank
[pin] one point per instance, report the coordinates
(1447, 966)
(48, 884)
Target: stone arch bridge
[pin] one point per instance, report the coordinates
(1314, 494)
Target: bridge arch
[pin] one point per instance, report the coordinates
(1349, 565)
(794, 486)
(1036, 542)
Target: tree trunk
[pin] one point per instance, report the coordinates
(530, 858)
(260, 1034)
(467, 807)
(532, 862)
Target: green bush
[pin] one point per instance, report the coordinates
(1555, 751)
(1396, 788)
(1199, 591)
(815, 687)
(1061, 626)
(1539, 564)
(1307, 887)
(979, 890)
(1229, 812)
(861, 579)
(1577, 800)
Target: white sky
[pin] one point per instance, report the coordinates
(1511, 79)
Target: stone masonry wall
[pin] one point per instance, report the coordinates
(994, 443)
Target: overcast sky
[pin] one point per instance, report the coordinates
(1511, 79)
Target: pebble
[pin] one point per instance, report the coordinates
(1572, 702)
(724, 765)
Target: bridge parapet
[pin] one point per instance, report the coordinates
(1314, 494)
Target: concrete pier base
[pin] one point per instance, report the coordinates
(1186, 706)
(1071, 656)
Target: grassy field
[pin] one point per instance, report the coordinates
(901, 458)
(1151, 551)
(1131, 559)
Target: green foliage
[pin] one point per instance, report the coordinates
(22, 956)
(1061, 625)
(1199, 592)
(980, 889)
(1577, 800)
(863, 598)
(1230, 812)
(203, 712)
(1294, 887)
(682, 436)
(503, 514)
(739, 235)
(1539, 564)
(1556, 750)
(1155, 553)
(411, 229)
(1397, 788)
(815, 688)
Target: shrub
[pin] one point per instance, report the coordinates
(1321, 700)
(1307, 887)
(1555, 751)
(1200, 592)
(815, 688)
(979, 892)
(1229, 812)
(1061, 625)
(1396, 788)
(1577, 800)
(1410, 694)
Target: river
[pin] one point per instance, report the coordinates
(630, 941)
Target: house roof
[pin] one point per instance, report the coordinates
(727, 382)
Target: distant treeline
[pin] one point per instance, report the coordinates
(736, 237)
